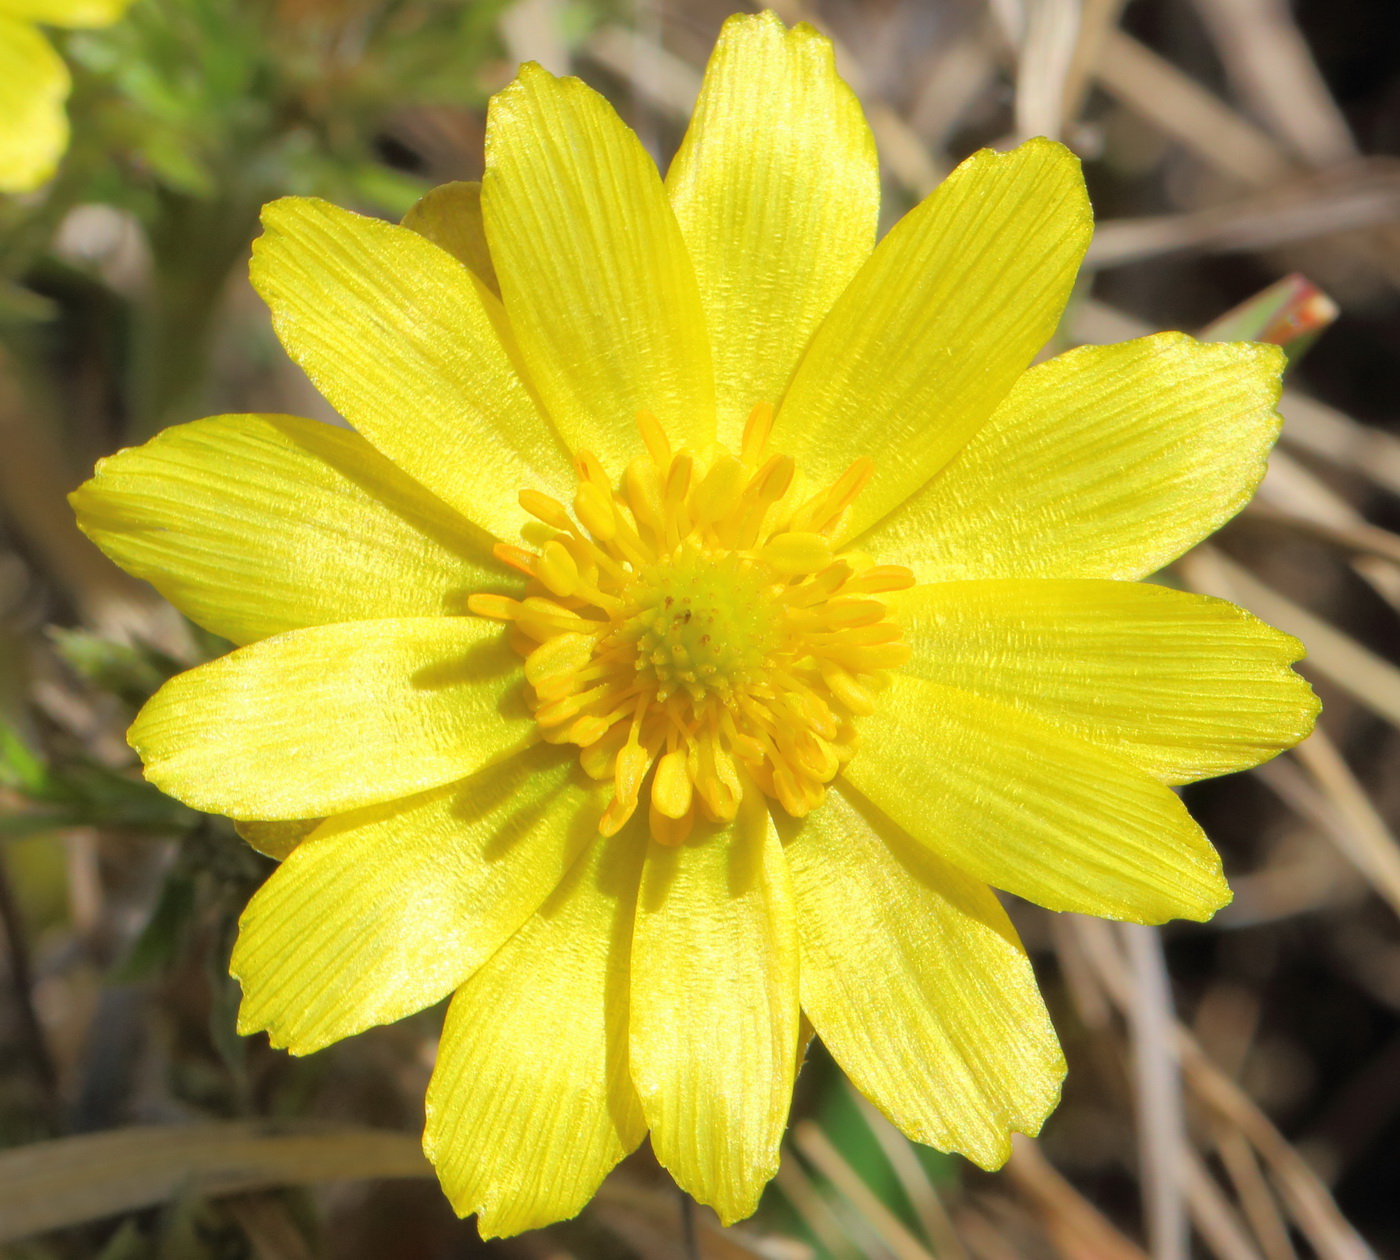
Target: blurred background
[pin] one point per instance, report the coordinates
(1234, 1088)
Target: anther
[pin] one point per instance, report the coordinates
(557, 570)
(795, 553)
(654, 439)
(718, 494)
(497, 607)
(693, 646)
(671, 789)
(595, 509)
(561, 655)
(882, 578)
(756, 431)
(545, 509)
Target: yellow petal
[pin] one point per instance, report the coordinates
(385, 910)
(450, 217)
(34, 83)
(252, 525)
(1029, 807)
(276, 839)
(936, 327)
(596, 279)
(715, 1008)
(918, 985)
(1181, 685)
(1106, 462)
(74, 13)
(531, 1102)
(325, 720)
(777, 191)
(396, 335)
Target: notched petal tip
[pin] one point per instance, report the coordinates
(1209, 894)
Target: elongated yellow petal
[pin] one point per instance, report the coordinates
(531, 1102)
(1105, 462)
(450, 217)
(321, 721)
(777, 191)
(715, 1008)
(1029, 807)
(34, 83)
(383, 911)
(396, 335)
(1182, 685)
(252, 525)
(917, 983)
(600, 290)
(934, 330)
(74, 13)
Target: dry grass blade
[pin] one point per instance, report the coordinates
(1216, 1221)
(1096, 19)
(817, 1147)
(1292, 210)
(959, 72)
(1080, 1231)
(50, 1185)
(1157, 1078)
(1308, 1200)
(1367, 841)
(815, 1213)
(1178, 106)
(268, 1226)
(1253, 1192)
(1273, 71)
(668, 84)
(1362, 538)
(1043, 67)
(1373, 681)
(649, 1219)
(917, 1186)
(533, 30)
(1324, 431)
(1291, 488)
(1314, 1209)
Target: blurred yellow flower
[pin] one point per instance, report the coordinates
(34, 84)
(842, 619)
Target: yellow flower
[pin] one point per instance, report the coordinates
(840, 626)
(34, 84)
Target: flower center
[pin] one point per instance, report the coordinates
(693, 625)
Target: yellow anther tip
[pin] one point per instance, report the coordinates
(798, 552)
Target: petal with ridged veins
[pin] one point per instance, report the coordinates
(933, 331)
(325, 720)
(777, 191)
(383, 911)
(531, 1103)
(597, 282)
(1105, 462)
(918, 985)
(254, 525)
(450, 216)
(396, 334)
(1182, 685)
(715, 1007)
(1031, 808)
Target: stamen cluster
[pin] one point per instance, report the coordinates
(694, 624)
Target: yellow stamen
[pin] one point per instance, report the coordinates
(693, 626)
